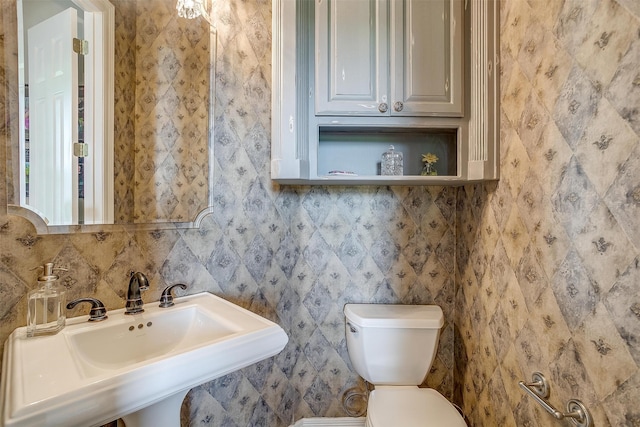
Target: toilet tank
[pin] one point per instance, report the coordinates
(392, 344)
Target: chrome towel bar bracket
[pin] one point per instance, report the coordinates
(538, 388)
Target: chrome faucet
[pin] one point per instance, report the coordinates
(137, 283)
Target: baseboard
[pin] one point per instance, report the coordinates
(329, 422)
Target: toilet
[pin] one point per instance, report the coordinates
(393, 347)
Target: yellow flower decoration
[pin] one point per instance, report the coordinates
(429, 158)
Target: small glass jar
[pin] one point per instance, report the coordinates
(392, 163)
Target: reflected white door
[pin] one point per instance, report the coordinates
(53, 104)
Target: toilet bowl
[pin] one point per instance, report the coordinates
(393, 347)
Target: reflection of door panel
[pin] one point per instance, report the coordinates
(53, 90)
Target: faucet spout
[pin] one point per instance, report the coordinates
(137, 283)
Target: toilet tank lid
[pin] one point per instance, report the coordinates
(394, 315)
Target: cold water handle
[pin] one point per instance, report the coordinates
(166, 299)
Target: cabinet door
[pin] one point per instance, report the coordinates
(426, 57)
(351, 62)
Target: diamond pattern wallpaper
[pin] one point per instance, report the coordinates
(548, 258)
(172, 84)
(161, 113)
(538, 272)
(295, 255)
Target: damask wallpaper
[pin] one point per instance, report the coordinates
(548, 261)
(162, 93)
(293, 254)
(536, 272)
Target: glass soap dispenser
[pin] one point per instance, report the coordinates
(391, 162)
(46, 307)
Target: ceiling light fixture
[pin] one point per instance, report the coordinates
(192, 9)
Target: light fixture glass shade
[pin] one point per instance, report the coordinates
(191, 9)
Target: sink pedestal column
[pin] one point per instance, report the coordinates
(165, 413)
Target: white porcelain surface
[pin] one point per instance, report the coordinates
(162, 332)
(91, 373)
(393, 347)
(330, 422)
(411, 407)
(392, 344)
(395, 315)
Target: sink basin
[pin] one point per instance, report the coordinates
(145, 337)
(136, 367)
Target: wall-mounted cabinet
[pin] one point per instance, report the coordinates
(394, 58)
(352, 77)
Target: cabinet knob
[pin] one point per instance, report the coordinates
(398, 106)
(383, 107)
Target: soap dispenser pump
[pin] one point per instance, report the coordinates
(46, 308)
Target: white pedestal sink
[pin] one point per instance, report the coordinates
(138, 367)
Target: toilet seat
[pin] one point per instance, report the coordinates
(409, 406)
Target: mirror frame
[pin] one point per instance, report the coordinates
(12, 132)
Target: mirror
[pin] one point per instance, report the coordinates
(147, 130)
